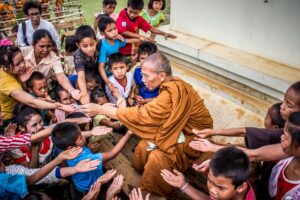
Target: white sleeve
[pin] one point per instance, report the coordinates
(55, 36)
(20, 36)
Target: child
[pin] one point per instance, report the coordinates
(129, 22)
(85, 57)
(37, 86)
(285, 178)
(64, 98)
(122, 79)
(153, 15)
(30, 121)
(227, 177)
(68, 135)
(68, 57)
(111, 43)
(108, 7)
(143, 95)
(273, 119)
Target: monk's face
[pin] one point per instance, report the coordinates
(151, 77)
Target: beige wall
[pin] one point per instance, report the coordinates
(270, 30)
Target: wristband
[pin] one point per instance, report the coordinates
(183, 187)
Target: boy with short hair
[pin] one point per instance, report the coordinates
(227, 177)
(129, 22)
(142, 95)
(121, 79)
(66, 135)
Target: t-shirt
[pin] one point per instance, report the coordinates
(13, 186)
(124, 90)
(8, 83)
(73, 80)
(107, 49)
(153, 20)
(123, 24)
(259, 137)
(83, 62)
(144, 92)
(84, 180)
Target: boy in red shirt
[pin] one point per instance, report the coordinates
(129, 22)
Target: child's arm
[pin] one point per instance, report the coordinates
(132, 40)
(116, 150)
(159, 32)
(65, 155)
(226, 132)
(41, 135)
(85, 98)
(102, 72)
(97, 131)
(129, 34)
(83, 166)
(34, 161)
(177, 180)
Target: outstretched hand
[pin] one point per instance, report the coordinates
(87, 165)
(115, 187)
(205, 133)
(91, 109)
(175, 179)
(202, 145)
(70, 154)
(107, 176)
(25, 74)
(10, 130)
(66, 108)
(136, 194)
(100, 130)
(203, 167)
(93, 192)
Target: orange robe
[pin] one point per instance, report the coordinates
(178, 108)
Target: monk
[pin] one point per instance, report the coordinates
(165, 124)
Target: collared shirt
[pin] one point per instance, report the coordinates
(47, 65)
(44, 24)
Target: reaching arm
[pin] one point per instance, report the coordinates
(85, 98)
(65, 83)
(102, 72)
(159, 32)
(107, 109)
(116, 150)
(226, 132)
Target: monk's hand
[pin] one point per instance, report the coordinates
(202, 145)
(203, 167)
(93, 192)
(115, 187)
(175, 179)
(205, 133)
(107, 176)
(136, 194)
(91, 109)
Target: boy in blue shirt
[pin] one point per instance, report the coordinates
(66, 135)
(111, 44)
(142, 95)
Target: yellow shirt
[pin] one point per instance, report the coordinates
(8, 83)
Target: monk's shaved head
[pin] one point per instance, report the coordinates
(160, 63)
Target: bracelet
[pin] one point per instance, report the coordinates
(183, 187)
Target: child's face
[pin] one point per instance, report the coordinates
(119, 70)
(286, 140)
(65, 98)
(34, 124)
(157, 5)
(132, 13)
(90, 85)
(142, 57)
(268, 120)
(101, 100)
(111, 31)
(220, 187)
(39, 88)
(290, 104)
(18, 63)
(88, 46)
(109, 9)
(80, 141)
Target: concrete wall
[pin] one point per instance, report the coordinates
(270, 30)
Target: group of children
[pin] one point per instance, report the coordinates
(101, 63)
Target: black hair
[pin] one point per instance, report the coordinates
(150, 4)
(59, 89)
(70, 44)
(23, 114)
(276, 118)
(103, 21)
(84, 31)
(7, 53)
(117, 58)
(77, 115)
(64, 135)
(36, 75)
(147, 48)
(293, 127)
(92, 74)
(15, 28)
(32, 4)
(109, 2)
(296, 88)
(96, 93)
(40, 34)
(135, 4)
(232, 163)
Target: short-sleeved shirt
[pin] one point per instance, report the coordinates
(83, 62)
(259, 137)
(107, 49)
(124, 90)
(155, 20)
(84, 180)
(13, 186)
(144, 92)
(73, 80)
(48, 65)
(8, 83)
(123, 24)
